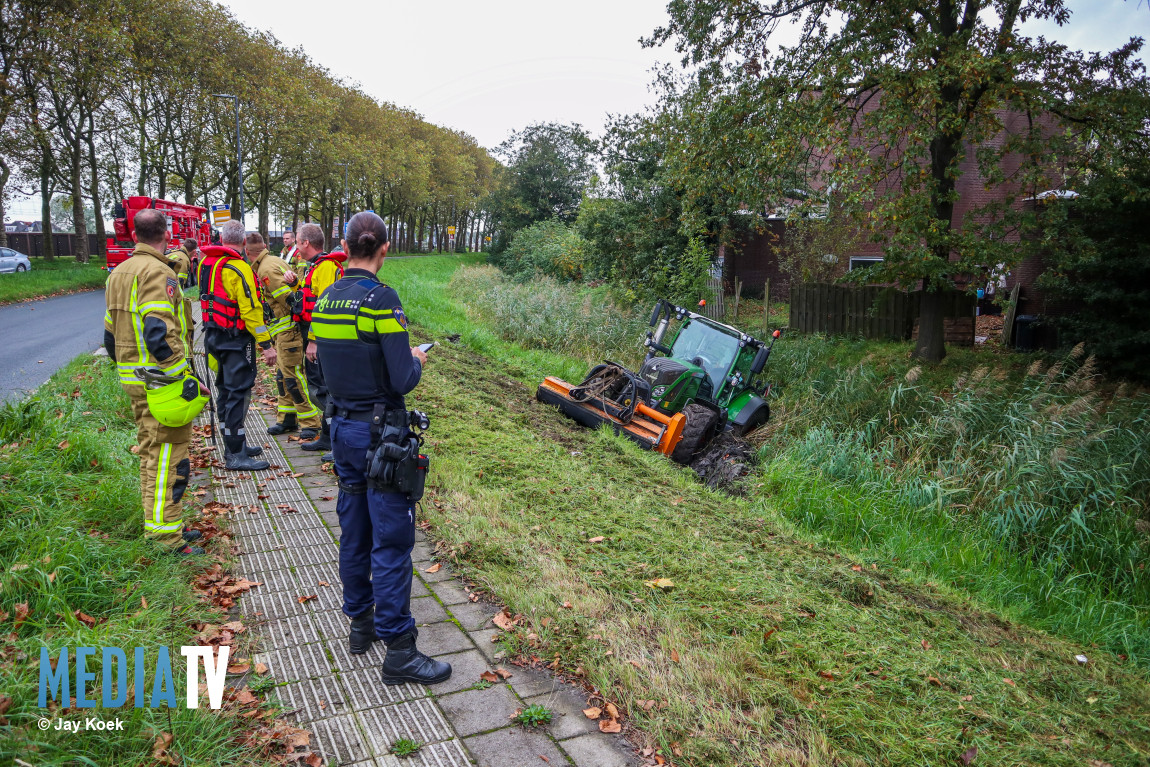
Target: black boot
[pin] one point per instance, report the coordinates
(241, 462)
(362, 633)
(308, 434)
(404, 663)
(253, 450)
(328, 457)
(192, 535)
(323, 443)
(283, 427)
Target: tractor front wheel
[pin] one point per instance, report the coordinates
(697, 432)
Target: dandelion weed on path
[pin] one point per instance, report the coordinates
(75, 570)
(760, 646)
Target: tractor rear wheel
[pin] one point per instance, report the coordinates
(697, 432)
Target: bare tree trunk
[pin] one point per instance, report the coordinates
(5, 173)
(295, 205)
(931, 333)
(47, 250)
(101, 234)
(80, 223)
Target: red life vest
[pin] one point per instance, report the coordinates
(218, 309)
(309, 296)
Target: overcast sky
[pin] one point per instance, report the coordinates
(494, 66)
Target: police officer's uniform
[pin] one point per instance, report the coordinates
(181, 262)
(143, 328)
(232, 315)
(362, 337)
(294, 406)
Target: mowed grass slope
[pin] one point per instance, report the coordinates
(49, 278)
(770, 648)
(76, 571)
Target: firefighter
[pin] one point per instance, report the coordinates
(323, 270)
(290, 253)
(294, 408)
(181, 262)
(142, 330)
(232, 315)
(361, 334)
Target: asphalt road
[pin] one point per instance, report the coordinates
(37, 338)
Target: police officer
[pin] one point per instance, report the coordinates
(181, 263)
(294, 408)
(142, 329)
(233, 320)
(323, 270)
(361, 334)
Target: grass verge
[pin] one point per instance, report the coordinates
(76, 571)
(769, 647)
(50, 278)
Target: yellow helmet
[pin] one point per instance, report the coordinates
(175, 401)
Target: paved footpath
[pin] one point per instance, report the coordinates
(289, 543)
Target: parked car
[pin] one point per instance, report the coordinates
(14, 261)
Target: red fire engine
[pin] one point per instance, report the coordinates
(183, 221)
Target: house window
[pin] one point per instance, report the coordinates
(862, 262)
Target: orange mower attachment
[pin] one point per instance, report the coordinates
(651, 429)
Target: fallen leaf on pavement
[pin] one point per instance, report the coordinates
(609, 726)
(489, 676)
(434, 568)
(261, 668)
(239, 668)
(301, 600)
(503, 620)
(612, 711)
(593, 712)
(503, 672)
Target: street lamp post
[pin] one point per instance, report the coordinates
(346, 193)
(239, 153)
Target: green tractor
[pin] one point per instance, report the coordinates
(705, 381)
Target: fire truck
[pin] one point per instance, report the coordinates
(184, 221)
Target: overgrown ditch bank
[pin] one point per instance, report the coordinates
(723, 633)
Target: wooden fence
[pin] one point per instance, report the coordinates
(871, 311)
(32, 244)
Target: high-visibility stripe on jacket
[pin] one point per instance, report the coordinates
(144, 316)
(230, 297)
(318, 279)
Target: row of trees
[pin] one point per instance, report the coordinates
(862, 129)
(99, 101)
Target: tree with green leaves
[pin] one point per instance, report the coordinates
(884, 106)
(547, 167)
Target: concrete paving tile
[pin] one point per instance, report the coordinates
(286, 632)
(566, 707)
(344, 661)
(421, 552)
(529, 682)
(419, 588)
(324, 493)
(313, 699)
(450, 593)
(418, 720)
(333, 626)
(600, 750)
(513, 747)
(444, 572)
(426, 610)
(474, 615)
(311, 536)
(365, 689)
(338, 740)
(314, 555)
(254, 544)
(420, 536)
(448, 754)
(277, 580)
(465, 670)
(305, 520)
(330, 518)
(271, 605)
(482, 640)
(324, 507)
(301, 462)
(292, 664)
(443, 638)
(251, 565)
(474, 711)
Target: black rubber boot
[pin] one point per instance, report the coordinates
(308, 434)
(283, 427)
(238, 462)
(323, 443)
(362, 633)
(190, 551)
(192, 535)
(328, 457)
(253, 450)
(405, 663)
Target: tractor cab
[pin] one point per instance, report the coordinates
(706, 380)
